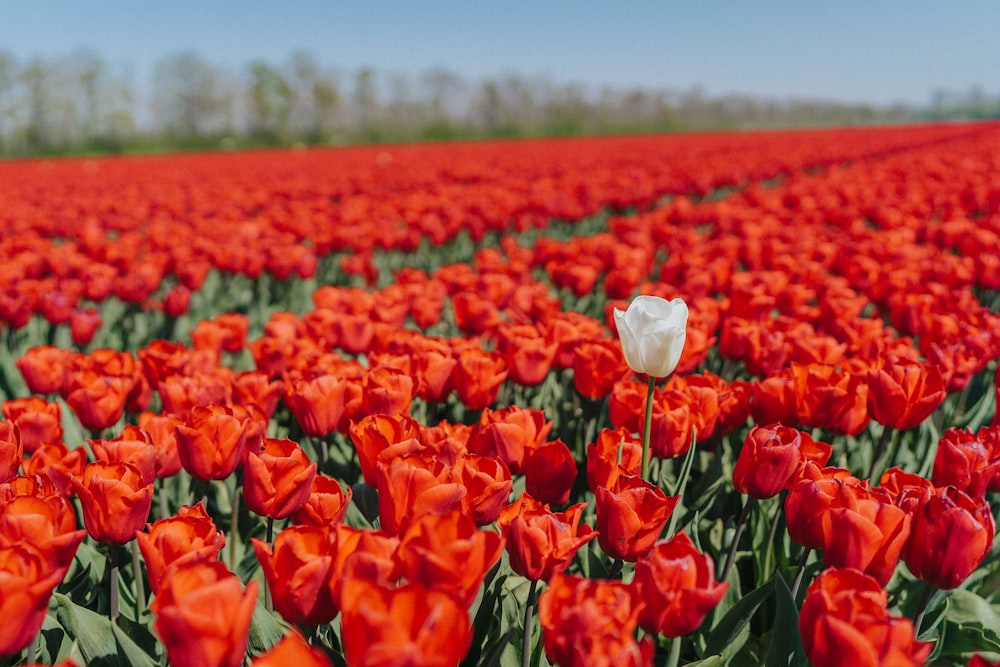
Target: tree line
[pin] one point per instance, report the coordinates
(80, 103)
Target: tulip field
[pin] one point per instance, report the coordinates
(701, 399)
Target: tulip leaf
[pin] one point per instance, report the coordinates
(130, 650)
(711, 661)
(786, 642)
(265, 631)
(92, 632)
(728, 636)
(54, 643)
(971, 625)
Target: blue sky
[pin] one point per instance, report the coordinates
(877, 51)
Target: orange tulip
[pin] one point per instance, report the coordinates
(630, 517)
(592, 622)
(902, 393)
(540, 542)
(203, 616)
(487, 483)
(448, 553)
(277, 479)
(509, 434)
(27, 579)
(11, 450)
(38, 420)
(298, 569)
(412, 625)
(115, 501)
(326, 505)
(188, 537)
(411, 486)
(211, 442)
(317, 403)
(677, 583)
(292, 650)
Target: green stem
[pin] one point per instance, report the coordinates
(268, 604)
(33, 648)
(880, 448)
(682, 481)
(113, 557)
(802, 570)
(675, 652)
(650, 386)
(234, 529)
(161, 494)
(769, 552)
(529, 611)
(140, 586)
(740, 525)
(922, 608)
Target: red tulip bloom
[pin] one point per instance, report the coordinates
(631, 516)
(865, 530)
(592, 622)
(604, 465)
(317, 403)
(540, 542)
(965, 461)
(773, 457)
(115, 501)
(203, 616)
(487, 483)
(597, 366)
(844, 620)
(326, 505)
(38, 420)
(411, 486)
(44, 368)
(510, 434)
(550, 472)
(133, 446)
(46, 522)
(298, 569)
(11, 450)
(277, 479)
(27, 579)
(411, 624)
(904, 393)
(478, 377)
(211, 442)
(292, 650)
(677, 583)
(448, 553)
(188, 537)
(380, 438)
(810, 498)
(950, 535)
(828, 398)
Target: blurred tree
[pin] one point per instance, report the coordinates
(192, 97)
(271, 100)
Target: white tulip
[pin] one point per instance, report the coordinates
(652, 332)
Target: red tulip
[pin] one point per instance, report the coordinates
(677, 583)
(27, 579)
(540, 542)
(326, 505)
(904, 393)
(277, 479)
(950, 535)
(203, 616)
(298, 569)
(211, 442)
(317, 403)
(550, 472)
(773, 457)
(115, 501)
(411, 624)
(631, 516)
(592, 622)
(292, 650)
(188, 537)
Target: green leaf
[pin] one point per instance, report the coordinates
(971, 625)
(786, 642)
(711, 661)
(265, 631)
(93, 633)
(728, 636)
(130, 650)
(54, 643)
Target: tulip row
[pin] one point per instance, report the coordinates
(403, 474)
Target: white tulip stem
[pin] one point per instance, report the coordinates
(651, 386)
